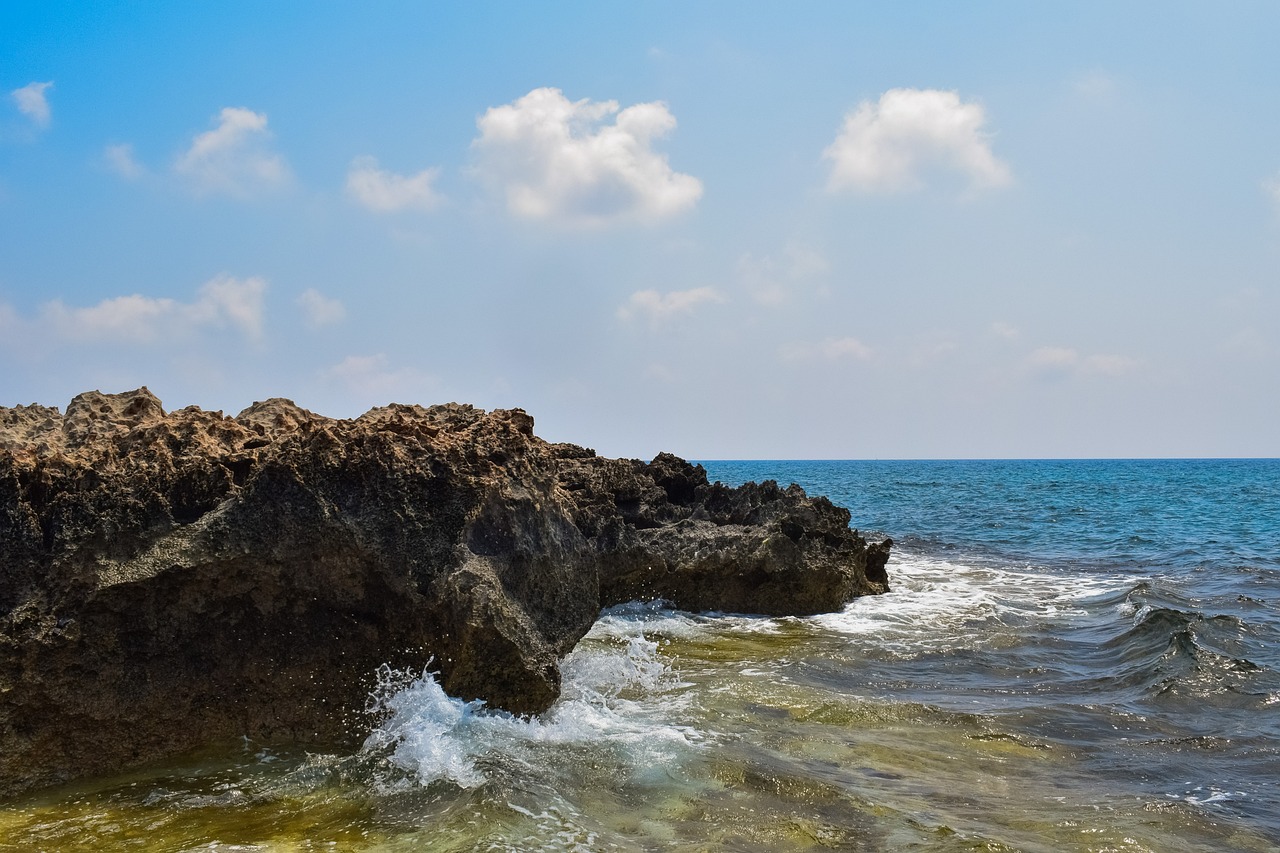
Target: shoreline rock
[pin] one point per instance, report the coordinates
(168, 580)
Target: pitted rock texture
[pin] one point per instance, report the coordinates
(169, 580)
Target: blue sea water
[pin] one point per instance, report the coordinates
(1127, 610)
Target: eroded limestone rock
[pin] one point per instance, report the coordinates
(167, 580)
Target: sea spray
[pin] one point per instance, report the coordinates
(620, 703)
(427, 731)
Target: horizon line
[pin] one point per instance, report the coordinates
(999, 459)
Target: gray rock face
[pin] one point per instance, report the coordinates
(167, 580)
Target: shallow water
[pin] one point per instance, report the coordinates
(1074, 656)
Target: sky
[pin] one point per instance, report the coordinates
(720, 229)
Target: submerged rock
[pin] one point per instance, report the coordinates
(168, 580)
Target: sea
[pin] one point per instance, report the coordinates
(1074, 656)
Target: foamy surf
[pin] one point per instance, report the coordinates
(618, 697)
(936, 603)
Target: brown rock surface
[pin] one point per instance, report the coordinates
(167, 580)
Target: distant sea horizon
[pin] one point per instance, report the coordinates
(709, 460)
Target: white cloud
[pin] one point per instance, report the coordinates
(557, 160)
(222, 302)
(385, 192)
(32, 102)
(835, 348)
(319, 310)
(235, 301)
(1109, 365)
(371, 378)
(1060, 362)
(234, 158)
(121, 319)
(894, 144)
(120, 159)
(830, 349)
(1053, 362)
(657, 307)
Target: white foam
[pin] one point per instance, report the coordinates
(617, 696)
(431, 734)
(648, 617)
(930, 594)
(659, 618)
(1199, 796)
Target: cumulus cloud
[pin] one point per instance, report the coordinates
(32, 102)
(235, 158)
(895, 144)
(386, 192)
(223, 302)
(319, 310)
(657, 307)
(120, 159)
(561, 161)
(1060, 362)
(830, 349)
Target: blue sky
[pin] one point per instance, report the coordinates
(727, 230)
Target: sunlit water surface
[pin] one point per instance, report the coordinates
(1074, 656)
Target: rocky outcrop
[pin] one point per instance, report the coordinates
(168, 580)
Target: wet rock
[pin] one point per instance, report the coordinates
(167, 580)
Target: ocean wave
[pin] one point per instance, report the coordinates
(618, 697)
(1173, 652)
(938, 604)
(1014, 636)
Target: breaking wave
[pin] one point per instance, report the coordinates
(620, 703)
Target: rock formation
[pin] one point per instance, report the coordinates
(168, 580)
